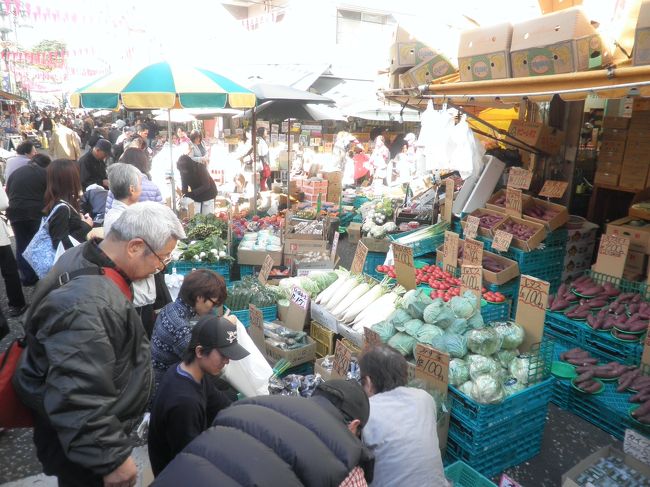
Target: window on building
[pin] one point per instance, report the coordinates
(356, 27)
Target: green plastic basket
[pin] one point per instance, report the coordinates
(462, 475)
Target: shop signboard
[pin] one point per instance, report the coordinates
(342, 359)
(531, 309)
(513, 202)
(471, 277)
(519, 178)
(472, 252)
(359, 259)
(471, 226)
(450, 252)
(449, 199)
(554, 189)
(404, 266)
(256, 328)
(263, 276)
(612, 254)
(501, 241)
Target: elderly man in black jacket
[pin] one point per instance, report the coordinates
(86, 372)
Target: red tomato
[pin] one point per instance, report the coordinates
(446, 299)
(499, 299)
(483, 290)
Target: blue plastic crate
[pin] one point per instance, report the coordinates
(360, 200)
(270, 313)
(483, 416)
(425, 246)
(557, 238)
(501, 456)
(185, 267)
(623, 284)
(462, 475)
(373, 259)
(532, 262)
(246, 270)
(495, 312)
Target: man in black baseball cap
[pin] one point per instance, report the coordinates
(187, 401)
(92, 165)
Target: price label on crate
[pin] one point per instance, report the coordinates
(370, 338)
(359, 259)
(513, 202)
(612, 254)
(471, 226)
(554, 189)
(299, 297)
(531, 309)
(506, 481)
(256, 328)
(404, 266)
(449, 199)
(471, 277)
(263, 276)
(432, 366)
(472, 252)
(342, 359)
(450, 252)
(501, 241)
(335, 244)
(519, 178)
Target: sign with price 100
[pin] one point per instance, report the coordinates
(404, 266)
(432, 366)
(519, 178)
(471, 277)
(612, 254)
(513, 202)
(531, 309)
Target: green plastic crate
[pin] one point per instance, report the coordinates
(462, 475)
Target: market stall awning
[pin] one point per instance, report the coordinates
(6, 96)
(605, 83)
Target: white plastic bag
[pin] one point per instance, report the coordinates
(250, 375)
(435, 136)
(466, 154)
(60, 249)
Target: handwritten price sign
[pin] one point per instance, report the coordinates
(501, 241)
(299, 297)
(335, 244)
(342, 359)
(359, 259)
(263, 276)
(404, 266)
(450, 251)
(554, 189)
(612, 254)
(471, 227)
(531, 309)
(471, 277)
(256, 328)
(519, 178)
(513, 202)
(371, 338)
(472, 252)
(432, 366)
(449, 199)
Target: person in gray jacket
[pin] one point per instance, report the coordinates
(86, 372)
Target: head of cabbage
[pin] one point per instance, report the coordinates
(511, 334)
(484, 341)
(462, 307)
(504, 357)
(403, 343)
(520, 368)
(487, 390)
(466, 388)
(385, 329)
(452, 343)
(481, 365)
(427, 333)
(458, 372)
(512, 386)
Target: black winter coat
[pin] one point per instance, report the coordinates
(271, 441)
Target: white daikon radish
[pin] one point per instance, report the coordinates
(356, 293)
(331, 290)
(362, 303)
(343, 291)
(381, 310)
(380, 303)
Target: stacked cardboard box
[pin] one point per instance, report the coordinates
(334, 185)
(484, 53)
(579, 250)
(637, 148)
(641, 52)
(612, 150)
(313, 189)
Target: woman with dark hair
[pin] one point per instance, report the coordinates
(139, 159)
(62, 197)
(198, 152)
(197, 184)
(201, 291)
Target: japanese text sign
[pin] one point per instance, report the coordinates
(531, 309)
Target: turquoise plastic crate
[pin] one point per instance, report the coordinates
(424, 246)
(532, 262)
(302, 369)
(185, 267)
(270, 313)
(462, 475)
(246, 270)
(495, 312)
(373, 259)
(623, 284)
(360, 200)
(557, 238)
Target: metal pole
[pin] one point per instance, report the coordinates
(288, 161)
(171, 157)
(254, 142)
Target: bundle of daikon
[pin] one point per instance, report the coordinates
(358, 301)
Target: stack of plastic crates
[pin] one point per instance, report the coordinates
(495, 311)
(270, 313)
(493, 437)
(373, 259)
(185, 267)
(510, 290)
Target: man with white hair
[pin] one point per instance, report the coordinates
(86, 372)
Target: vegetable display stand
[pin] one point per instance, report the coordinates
(270, 313)
(373, 259)
(184, 267)
(462, 475)
(495, 311)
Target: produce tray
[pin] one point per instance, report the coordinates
(373, 259)
(482, 416)
(270, 313)
(485, 439)
(421, 247)
(462, 475)
(496, 312)
(501, 456)
(185, 267)
(623, 284)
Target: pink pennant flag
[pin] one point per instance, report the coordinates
(17, 7)
(28, 9)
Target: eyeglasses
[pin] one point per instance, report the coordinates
(213, 301)
(164, 262)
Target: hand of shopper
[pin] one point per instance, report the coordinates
(123, 476)
(86, 218)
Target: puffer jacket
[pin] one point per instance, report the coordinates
(150, 192)
(271, 441)
(86, 371)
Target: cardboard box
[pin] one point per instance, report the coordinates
(608, 179)
(376, 244)
(639, 236)
(490, 205)
(543, 137)
(611, 151)
(615, 134)
(569, 479)
(633, 176)
(620, 123)
(354, 232)
(332, 176)
(324, 317)
(297, 356)
(256, 257)
(556, 222)
(319, 369)
(431, 69)
(636, 262)
(406, 55)
(299, 246)
(641, 51)
(483, 232)
(510, 271)
(533, 242)
(560, 42)
(484, 53)
(609, 167)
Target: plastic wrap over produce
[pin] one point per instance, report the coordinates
(250, 375)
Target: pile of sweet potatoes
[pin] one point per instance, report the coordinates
(567, 296)
(634, 380)
(518, 230)
(489, 221)
(540, 212)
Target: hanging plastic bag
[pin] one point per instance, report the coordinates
(435, 138)
(466, 151)
(60, 249)
(250, 375)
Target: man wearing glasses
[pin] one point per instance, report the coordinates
(86, 372)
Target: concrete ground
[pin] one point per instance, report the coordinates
(567, 438)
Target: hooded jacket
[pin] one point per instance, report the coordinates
(86, 370)
(270, 441)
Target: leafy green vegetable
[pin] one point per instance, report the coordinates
(484, 341)
(510, 333)
(432, 311)
(385, 329)
(462, 307)
(403, 343)
(427, 333)
(458, 372)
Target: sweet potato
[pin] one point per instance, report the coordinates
(642, 410)
(605, 372)
(587, 375)
(583, 361)
(641, 396)
(574, 353)
(590, 386)
(625, 336)
(644, 419)
(637, 325)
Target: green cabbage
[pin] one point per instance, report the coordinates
(445, 318)
(399, 317)
(451, 343)
(411, 327)
(481, 365)
(504, 357)
(476, 321)
(512, 386)
(462, 307)
(458, 372)
(385, 329)
(520, 368)
(487, 390)
(427, 333)
(484, 341)
(458, 326)
(472, 298)
(414, 301)
(432, 311)
(466, 388)
(512, 335)
(403, 343)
